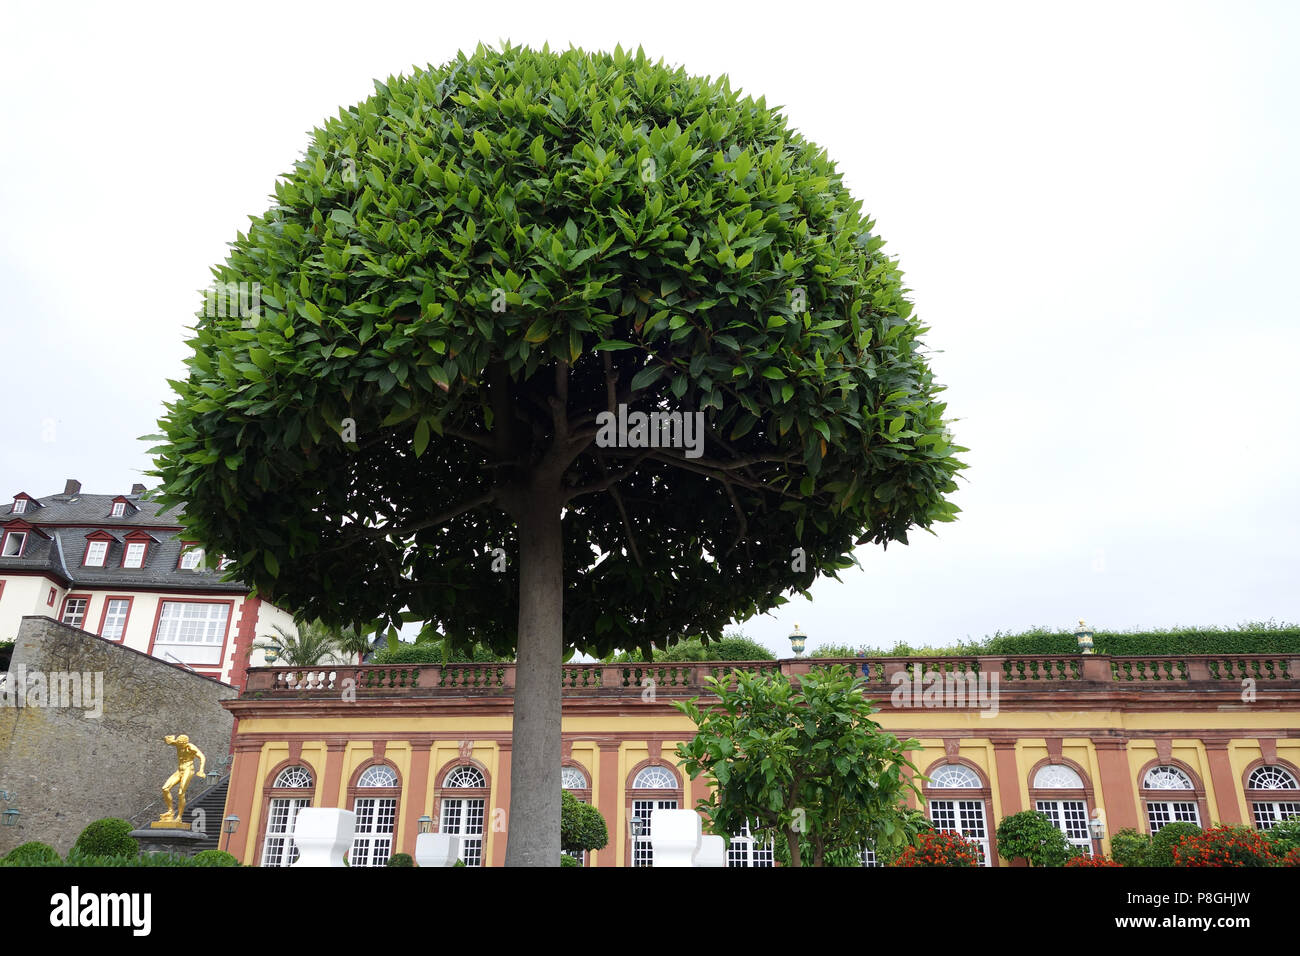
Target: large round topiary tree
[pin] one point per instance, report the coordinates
(463, 298)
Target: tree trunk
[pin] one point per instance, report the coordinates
(533, 831)
(792, 841)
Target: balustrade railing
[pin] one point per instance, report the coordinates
(689, 678)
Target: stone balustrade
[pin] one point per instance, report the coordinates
(686, 679)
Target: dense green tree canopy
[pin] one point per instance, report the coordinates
(464, 270)
(802, 761)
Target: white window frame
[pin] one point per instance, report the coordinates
(20, 506)
(372, 844)
(868, 857)
(1071, 818)
(282, 813)
(113, 628)
(191, 558)
(81, 617)
(209, 635)
(133, 558)
(119, 509)
(94, 550)
(744, 850)
(1268, 814)
(1161, 813)
(642, 850)
(464, 817)
(6, 551)
(967, 818)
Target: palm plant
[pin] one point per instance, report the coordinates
(306, 648)
(350, 641)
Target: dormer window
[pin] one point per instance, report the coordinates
(119, 509)
(136, 550)
(191, 557)
(14, 544)
(20, 506)
(96, 552)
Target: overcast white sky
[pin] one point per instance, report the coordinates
(1095, 205)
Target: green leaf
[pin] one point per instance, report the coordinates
(613, 345)
(272, 565)
(421, 440)
(647, 376)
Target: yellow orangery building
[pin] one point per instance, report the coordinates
(1097, 743)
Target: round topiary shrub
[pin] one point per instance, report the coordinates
(940, 849)
(1130, 848)
(569, 861)
(33, 853)
(400, 859)
(107, 837)
(1031, 836)
(1161, 852)
(581, 825)
(214, 858)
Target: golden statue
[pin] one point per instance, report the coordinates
(185, 754)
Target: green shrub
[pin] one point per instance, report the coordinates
(731, 647)
(1224, 845)
(568, 861)
(581, 825)
(1162, 844)
(1031, 836)
(432, 653)
(1130, 848)
(400, 859)
(33, 853)
(107, 837)
(1251, 637)
(214, 858)
(1284, 837)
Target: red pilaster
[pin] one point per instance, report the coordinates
(1222, 782)
(1116, 784)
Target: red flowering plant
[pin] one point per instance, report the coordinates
(1225, 846)
(1082, 859)
(940, 848)
(1292, 858)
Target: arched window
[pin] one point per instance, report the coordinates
(380, 775)
(464, 796)
(465, 778)
(654, 787)
(957, 797)
(1264, 786)
(1060, 794)
(293, 778)
(655, 778)
(1170, 796)
(954, 777)
(374, 801)
(288, 793)
(1166, 778)
(1055, 776)
(571, 778)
